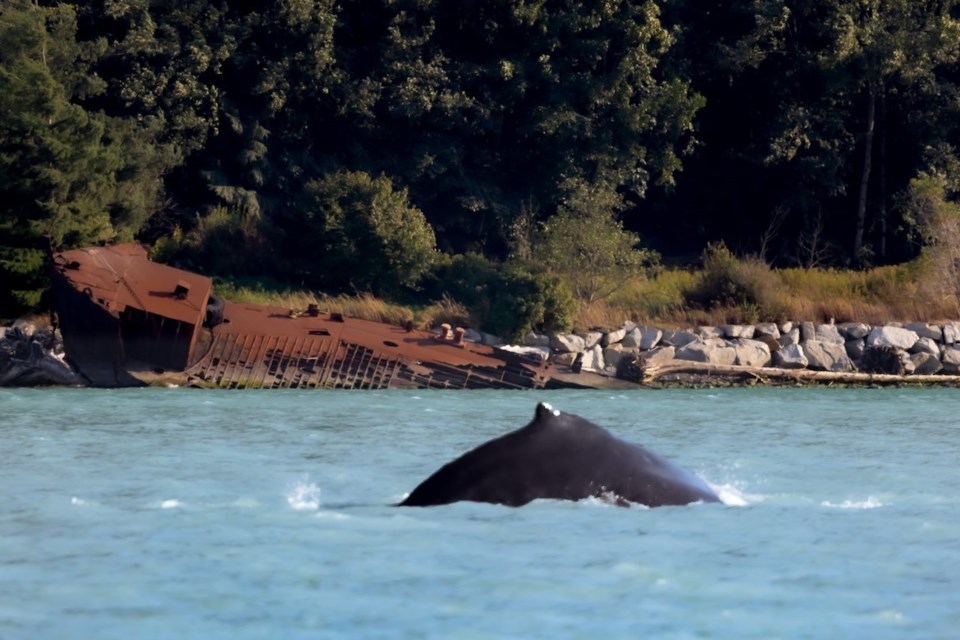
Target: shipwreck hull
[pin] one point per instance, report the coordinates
(129, 321)
(263, 347)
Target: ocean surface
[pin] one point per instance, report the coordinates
(189, 514)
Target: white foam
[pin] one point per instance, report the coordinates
(303, 495)
(332, 515)
(170, 504)
(733, 495)
(80, 502)
(869, 503)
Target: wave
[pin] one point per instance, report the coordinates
(869, 503)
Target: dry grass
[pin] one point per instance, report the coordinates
(883, 294)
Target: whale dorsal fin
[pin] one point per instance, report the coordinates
(546, 412)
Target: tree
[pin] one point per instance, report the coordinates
(937, 218)
(359, 234)
(588, 248)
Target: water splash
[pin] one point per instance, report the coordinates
(171, 504)
(303, 495)
(733, 495)
(869, 503)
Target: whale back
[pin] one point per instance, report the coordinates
(560, 456)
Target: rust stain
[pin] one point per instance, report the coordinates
(271, 347)
(123, 315)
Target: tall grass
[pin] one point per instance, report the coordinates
(675, 298)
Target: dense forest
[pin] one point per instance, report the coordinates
(419, 148)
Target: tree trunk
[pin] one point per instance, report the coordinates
(882, 195)
(865, 176)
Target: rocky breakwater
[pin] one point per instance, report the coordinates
(32, 356)
(840, 351)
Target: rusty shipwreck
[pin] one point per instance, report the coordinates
(128, 321)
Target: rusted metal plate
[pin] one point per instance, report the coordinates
(123, 314)
(122, 276)
(272, 347)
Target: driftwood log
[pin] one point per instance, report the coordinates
(697, 373)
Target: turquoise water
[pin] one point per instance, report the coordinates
(173, 513)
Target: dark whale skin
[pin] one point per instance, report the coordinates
(560, 456)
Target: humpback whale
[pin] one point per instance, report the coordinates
(560, 456)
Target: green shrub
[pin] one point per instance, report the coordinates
(746, 284)
(505, 300)
(355, 232)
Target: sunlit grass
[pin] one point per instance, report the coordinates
(668, 299)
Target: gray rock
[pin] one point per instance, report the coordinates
(591, 339)
(658, 356)
(890, 336)
(926, 345)
(925, 330)
(787, 327)
(827, 356)
(568, 343)
(613, 354)
(766, 329)
(951, 360)
(925, 364)
(744, 331)
(649, 337)
(472, 335)
(678, 338)
(592, 360)
(536, 340)
(613, 337)
(808, 331)
(951, 332)
(790, 337)
(709, 332)
(632, 339)
(854, 330)
(829, 333)
(629, 326)
(713, 351)
(752, 353)
(855, 348)
(564, 358)
(790, 356)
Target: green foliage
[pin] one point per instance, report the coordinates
(938, 220)
(506, 300)
(362, 235)
(587, 247)
(730, 282)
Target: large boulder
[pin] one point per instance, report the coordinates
(829, 333)
(925, 363)
(925, 330)
(643, 338)
(613, 354)
(568, 343)
(926, 345)
(890, 336)
(732, 331)
(790, 337)
(854, 330)
(855, 348)
(678, 338)
(790, 356)
(592, 359)
(536, 340)
(827, 356)
(951, 360)
(658, 356)
(591, 339)
(613, 337)
(34, 357)
(951, 332)
(766, 329)
(712, 351)
(752, 353)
